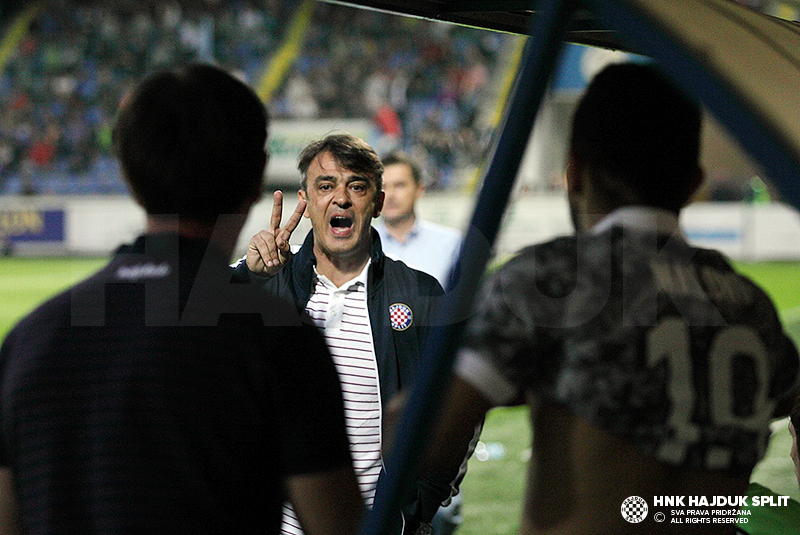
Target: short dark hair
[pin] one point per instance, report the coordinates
(192, 142)
(401, 158)
(634, 126)
(349, 151)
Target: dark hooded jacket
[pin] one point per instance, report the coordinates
(398, 347)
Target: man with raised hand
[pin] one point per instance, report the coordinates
(651, 368)
(375, 312)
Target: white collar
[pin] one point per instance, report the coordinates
(361, 278)
(641, 218)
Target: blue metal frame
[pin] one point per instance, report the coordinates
(542, 51)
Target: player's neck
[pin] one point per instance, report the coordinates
(223, 234)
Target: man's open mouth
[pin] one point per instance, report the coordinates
(341, 222)
(341, 226)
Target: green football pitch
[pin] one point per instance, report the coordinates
(495, 481)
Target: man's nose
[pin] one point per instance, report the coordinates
(342, 196)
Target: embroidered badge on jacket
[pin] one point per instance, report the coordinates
(400, 316)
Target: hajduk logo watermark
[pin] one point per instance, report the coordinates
(698, 509)
(634, 509)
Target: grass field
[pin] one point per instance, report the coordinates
(26, 282)
(493, 487)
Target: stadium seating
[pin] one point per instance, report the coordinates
(423, 83)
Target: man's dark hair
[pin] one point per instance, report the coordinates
(394, 158)
(192, 142)
(633, 128)
(349, 151)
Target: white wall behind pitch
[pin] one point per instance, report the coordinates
(749, 232)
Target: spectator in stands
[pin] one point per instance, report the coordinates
(78, 59)
(155, 396)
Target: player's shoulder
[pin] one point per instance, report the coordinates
(725, 284)
(552, 259)
(61, 311)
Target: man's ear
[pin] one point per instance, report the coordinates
(379, 203)
(302, 196)
(574, 175)
(420, 191)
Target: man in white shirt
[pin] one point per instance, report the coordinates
(423, 245)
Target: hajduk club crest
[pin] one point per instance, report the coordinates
(401, 316)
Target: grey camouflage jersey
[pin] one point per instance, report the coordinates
(652, 340)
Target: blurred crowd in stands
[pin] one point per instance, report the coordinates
(423, 84)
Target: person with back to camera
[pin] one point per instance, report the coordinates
(156, 396)
(375, 312)
(650, 367)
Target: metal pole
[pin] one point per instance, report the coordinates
(542, 50)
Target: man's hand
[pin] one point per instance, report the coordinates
(269, 250)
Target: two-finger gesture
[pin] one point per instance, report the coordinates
(269, 250)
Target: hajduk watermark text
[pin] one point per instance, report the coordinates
(720, 501)
(697, 509)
